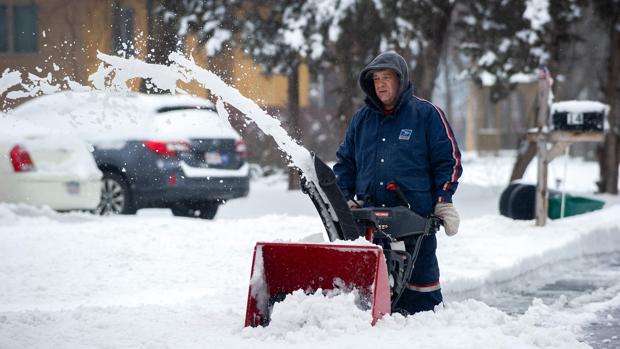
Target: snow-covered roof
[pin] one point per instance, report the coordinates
(579, 107)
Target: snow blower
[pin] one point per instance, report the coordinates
(378, 271)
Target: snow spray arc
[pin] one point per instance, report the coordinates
(116, 71)
(120, 70)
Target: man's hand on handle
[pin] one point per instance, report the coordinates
(447, 212)
(355, 203)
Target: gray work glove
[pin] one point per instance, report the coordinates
(355, 203)
(447, 212)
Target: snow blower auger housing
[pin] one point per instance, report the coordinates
(378, 271)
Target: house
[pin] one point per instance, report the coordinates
(62, 38)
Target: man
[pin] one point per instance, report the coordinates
(399, 137)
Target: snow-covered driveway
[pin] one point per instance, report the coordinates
(158, 281)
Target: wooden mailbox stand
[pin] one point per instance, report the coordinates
(549, 146)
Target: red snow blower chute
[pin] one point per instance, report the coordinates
(378, 271)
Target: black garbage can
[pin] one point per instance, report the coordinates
(518, 201)
(522, 202)
(504, 199)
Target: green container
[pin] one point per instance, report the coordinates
(573, 205)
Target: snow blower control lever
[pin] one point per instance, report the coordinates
(392, 186)
(379, 271)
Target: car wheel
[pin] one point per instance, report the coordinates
(205, 210)
(115, 196)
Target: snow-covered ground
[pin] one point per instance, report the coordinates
(158, 281)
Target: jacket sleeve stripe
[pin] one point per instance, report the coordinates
(455, 156)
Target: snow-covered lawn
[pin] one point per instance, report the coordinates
(158, 281)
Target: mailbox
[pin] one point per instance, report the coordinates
(579, 116)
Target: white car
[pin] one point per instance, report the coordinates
(44, 170)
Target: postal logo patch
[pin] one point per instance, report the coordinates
(405, 134)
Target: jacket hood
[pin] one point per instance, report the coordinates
(386, 60)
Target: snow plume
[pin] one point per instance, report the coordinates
(117, 71)
(298, 155)
(9, 79)
(120, 74)
(38, 84)
(120, 70)
(222, 112)
(16, 86)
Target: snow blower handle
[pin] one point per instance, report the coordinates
(436, 222)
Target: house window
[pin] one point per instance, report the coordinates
(25, 28)
(122, 31)
(4, 30)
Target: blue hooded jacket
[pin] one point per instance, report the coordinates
(413, 146)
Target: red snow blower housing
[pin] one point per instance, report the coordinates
(378, 271)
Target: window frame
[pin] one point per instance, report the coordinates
(10, 29)
(27, 47)
(5, 23)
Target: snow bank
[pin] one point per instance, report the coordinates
(494, 172)
(495, 249)
(335, 319)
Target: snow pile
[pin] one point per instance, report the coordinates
(25, 215)
(321, 315)
(512, 248)
(12, 214)
(334, 317)
(307, 320)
